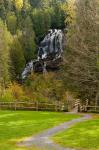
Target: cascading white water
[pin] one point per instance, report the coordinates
(50, 49)
(28, 69)
(52, 44)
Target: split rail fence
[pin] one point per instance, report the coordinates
(39, 106)
(47, 106)
(88, 108)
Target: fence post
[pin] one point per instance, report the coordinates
(77, 104)
(87, 102)
(37, 105)
(15, 106)
(55, 106)
(60, 106)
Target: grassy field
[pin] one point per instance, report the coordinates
(83, 136)
(15, 125)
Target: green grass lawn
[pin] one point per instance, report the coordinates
(15, 125)
(83, 136)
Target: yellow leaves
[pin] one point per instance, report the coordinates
(69, 9)
(17, 91)
(18, 4)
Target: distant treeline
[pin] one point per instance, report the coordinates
(23, 23)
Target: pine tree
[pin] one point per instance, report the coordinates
(28, 39)
(11, 20)
(5, 41)
(17, 57)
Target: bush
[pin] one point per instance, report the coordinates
(17, 91)
(7, 96)
(49, 87)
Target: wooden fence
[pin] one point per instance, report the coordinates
(39, 106)
(89, 108)
(46, 106)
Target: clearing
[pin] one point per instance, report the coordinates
(17, 125)
(82, 136)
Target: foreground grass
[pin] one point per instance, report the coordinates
(15, 125)
(83, 136)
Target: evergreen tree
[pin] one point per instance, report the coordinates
(17, 57)
(11, 22)
(41, 22)
(28, 39)
(5, 41)
(2, 10)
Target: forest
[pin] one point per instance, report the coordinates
(23, 25)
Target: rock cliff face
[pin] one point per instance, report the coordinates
(49, 54)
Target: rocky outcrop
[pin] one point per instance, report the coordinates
(49, 54)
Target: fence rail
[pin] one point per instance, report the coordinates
(56, 106)
(89, 108)
(42, 106)
(92, 108)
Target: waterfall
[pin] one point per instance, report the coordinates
(50, 50)
(44, 67)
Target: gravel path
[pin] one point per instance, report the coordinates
(43, 140)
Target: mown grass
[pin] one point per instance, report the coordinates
(83, 136)
(16, 125)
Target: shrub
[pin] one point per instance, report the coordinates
(17, 91)
(7, 96)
